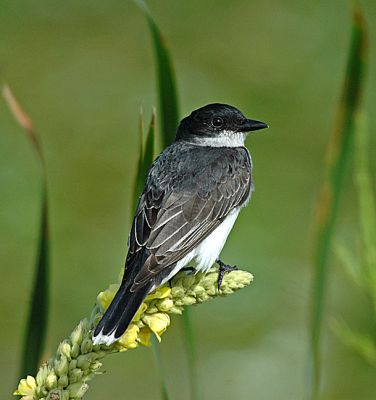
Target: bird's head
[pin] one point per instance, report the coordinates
(219, 125)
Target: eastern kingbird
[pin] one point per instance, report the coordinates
(192, 197)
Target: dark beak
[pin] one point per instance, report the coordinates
(253, 125)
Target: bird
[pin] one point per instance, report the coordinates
(192, 197)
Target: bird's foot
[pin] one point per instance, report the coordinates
(223, 268)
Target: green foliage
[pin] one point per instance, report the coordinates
(36, 327)
(364, 272)
(367, 210)
(146, 155)
(158, 362)
(362, 344)
(168, 100)
(190, 345)
(339, 151)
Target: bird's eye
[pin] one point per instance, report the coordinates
(217, 122)
(240, 121)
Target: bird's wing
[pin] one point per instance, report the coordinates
(172, 219)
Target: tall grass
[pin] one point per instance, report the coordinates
(339, 151)
(36, 326)
(168, 99)
(146, 156)
(360, 264)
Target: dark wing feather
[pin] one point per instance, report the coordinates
(181, 208)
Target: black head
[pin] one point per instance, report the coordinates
(215, 119)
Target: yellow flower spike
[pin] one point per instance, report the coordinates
(129, 339)
(76, 360)
(157, 322)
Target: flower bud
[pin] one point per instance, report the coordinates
(65, 349)
(83, 362)
(165, 305)
(72, 365)
(75, 375)
(75, 351)
(86, 346)
(42, 375)
(77, 390)
(51, 381)
(77, 335)
(61, 366)
(63, 381)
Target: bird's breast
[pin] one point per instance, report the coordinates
(207, 252)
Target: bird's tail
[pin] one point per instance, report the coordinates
(119, 315)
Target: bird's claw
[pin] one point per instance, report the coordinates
(223, 268)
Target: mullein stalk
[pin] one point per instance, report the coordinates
(65, 375)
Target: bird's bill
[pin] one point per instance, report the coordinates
(253, 125)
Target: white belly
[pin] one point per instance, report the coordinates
(207, 252)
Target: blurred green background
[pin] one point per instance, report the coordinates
(82, 70)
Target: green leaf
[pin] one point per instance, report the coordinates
(360, 343)
(190, 344)
(367, 213)
(160, 369)
(168, 100)
(328, 205)
(36, 327)
(350, 263)
(146, 156)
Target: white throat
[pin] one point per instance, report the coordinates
(224, 139)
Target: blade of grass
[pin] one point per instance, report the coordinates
(328, 204)
(367, 209)
(146, 155)
(158, 362)
(36, 327)
(190, 345)
(168, 100)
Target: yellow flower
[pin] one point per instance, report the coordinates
(140, 312)
(159, 293)
(144, 336)
(26, 387)
(104, 298)
(129, 339)
(157, 323)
